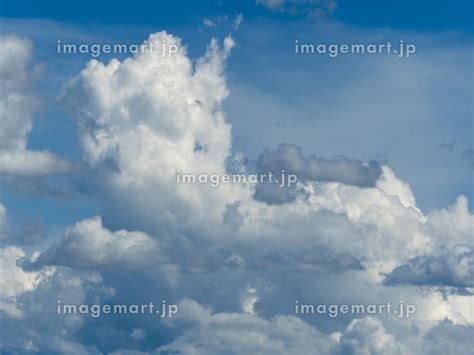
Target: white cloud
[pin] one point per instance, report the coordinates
(31, 324)
(14, 281)
(17, 104)
(31, 163)
(28, 302)
(144, 122)
(215, 333)
(88, 245)
(453, 225)
(208, 332)
(368, 336)
(244, 333)
(145, 117)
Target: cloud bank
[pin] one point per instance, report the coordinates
(233, 262)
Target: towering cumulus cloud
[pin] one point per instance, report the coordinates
(141, 120)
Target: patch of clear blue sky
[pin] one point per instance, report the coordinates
(260, 45)
(402, 14)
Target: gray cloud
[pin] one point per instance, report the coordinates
(289, 157)
(276, 195)
(316, 259)
(312, 260)
(453, 268)
(448, 338)
(340, 169)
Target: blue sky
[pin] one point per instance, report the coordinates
(110, 223)
(404, 14)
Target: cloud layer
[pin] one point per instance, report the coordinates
(234, 262)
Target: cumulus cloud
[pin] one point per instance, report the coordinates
(17, 105)
(147, 125)
(215, 333)
(383, 219)
(146, 116)
(14, 281)
(88, 245)
(368, 336)
(28, 301)
(452, 268)
(453, 225)
(244, 333)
